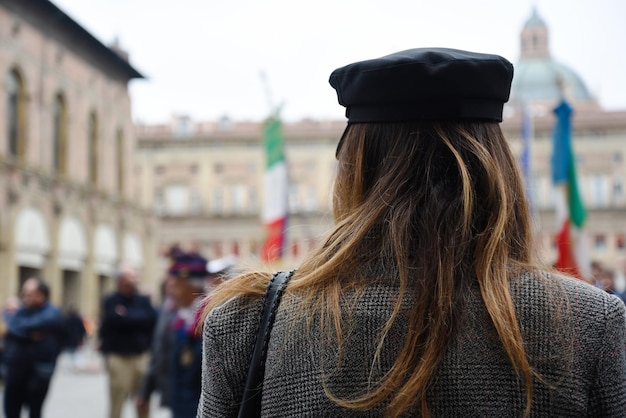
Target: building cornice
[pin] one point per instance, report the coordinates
(47, 17)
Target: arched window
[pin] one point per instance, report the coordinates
(59, 134)
(16, 114)
(92, 149)
(119, 148)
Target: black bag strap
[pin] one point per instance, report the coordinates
(251, 400)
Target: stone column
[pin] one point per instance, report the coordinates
(151, 276)
(90, 304)
(8, 267)
(50, 271)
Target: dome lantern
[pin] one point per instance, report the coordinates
(534, 39)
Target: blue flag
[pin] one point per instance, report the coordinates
(561, 143)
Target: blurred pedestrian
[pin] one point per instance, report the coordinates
(33, 342)
(425, 298)
(75, 335)
(191, 280)
(128, 320)
(157, 377)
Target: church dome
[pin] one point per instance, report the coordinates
(540, 78)
(537, 76)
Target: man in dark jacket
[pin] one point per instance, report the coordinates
(33, 342)
(128, 320)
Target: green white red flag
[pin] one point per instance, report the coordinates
(571, 239)
(275, 207)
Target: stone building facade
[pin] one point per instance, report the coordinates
(205, 179)
(67, 209)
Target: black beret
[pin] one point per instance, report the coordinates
(424, 84)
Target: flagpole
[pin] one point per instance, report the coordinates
(528, 138)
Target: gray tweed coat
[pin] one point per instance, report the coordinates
(579, 350)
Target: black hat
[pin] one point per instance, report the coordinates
(424, 84)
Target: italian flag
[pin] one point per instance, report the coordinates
(571, 240)
(275, 191)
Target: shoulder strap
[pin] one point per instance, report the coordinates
(251, 400)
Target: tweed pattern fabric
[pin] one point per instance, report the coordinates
(574, 336)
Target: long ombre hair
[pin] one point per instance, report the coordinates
(441, 202)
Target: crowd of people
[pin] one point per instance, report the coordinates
(147, 347)
(158, 349)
